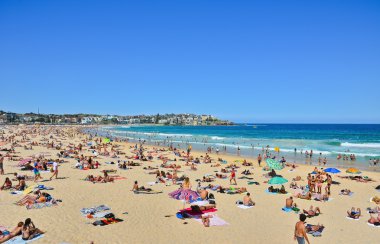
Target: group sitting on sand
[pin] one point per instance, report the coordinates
(99, 179)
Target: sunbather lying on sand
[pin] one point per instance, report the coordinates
(307, 196)
(37, 197)
(345, 192)
(246, 172)
(354, 214)
(375, 220)
(15, 232)
(198, 209)
(310, 228)
(297, 178)
(312, 211)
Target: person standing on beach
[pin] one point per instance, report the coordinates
(300, 231)
(259, 160)
(1, 164)
(238, 151)
(233, 176)
(55, 169)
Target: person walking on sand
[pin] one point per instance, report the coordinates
(233, 176)
(300, 231)
(1, 165)
(55, 169)
(259, 158)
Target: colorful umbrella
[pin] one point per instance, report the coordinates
(332, 170)
(106, 140)
(24, 161)
(184, 194)
(277, 181)
(353, 171)
(274, 164)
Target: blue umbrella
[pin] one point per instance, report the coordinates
(332, 170)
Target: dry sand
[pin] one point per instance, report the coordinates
(145, 221)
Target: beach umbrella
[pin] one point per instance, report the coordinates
(353, 171)
(24, 161)
(185, 195)
(106, 140)
(332, 170)
(274, 164)
(277, 181)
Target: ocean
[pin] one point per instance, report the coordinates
(326, 140)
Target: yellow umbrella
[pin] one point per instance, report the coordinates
(353, 171)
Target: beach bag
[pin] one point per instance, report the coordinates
(179, 215)
(211, 196)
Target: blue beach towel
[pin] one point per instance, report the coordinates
(19, 240)
(285, 209)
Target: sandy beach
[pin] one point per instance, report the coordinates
(145, 215)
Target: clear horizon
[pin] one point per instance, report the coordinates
(282, 62)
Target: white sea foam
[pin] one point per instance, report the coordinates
(365, 145)
(217, 138)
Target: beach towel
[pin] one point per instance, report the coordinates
(16, 192)
(152, 183)
(94, 210)
(372, 225)
(243, 206)
(147, 192)
(350, 194)
(100, 214)
(287, 210)
(43, 187)
(40, 205)
(104, 222)
(29, 189)
(253, 182)
(193, 214)
(19, 240)
(348, 217)
(200, 202)
(315, 233)
(119, 178)
(214, 221)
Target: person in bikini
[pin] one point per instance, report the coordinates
(354, 214)
(29, 230)
(312, 211)
(15, 232)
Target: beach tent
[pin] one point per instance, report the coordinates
(274, 164)
(277, 181)
(353, 171)
(332, 170)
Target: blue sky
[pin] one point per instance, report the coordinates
(256, 61)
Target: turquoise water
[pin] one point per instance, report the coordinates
(329, 140)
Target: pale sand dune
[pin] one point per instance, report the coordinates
(145, 223)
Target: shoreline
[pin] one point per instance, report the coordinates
(299, 159)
